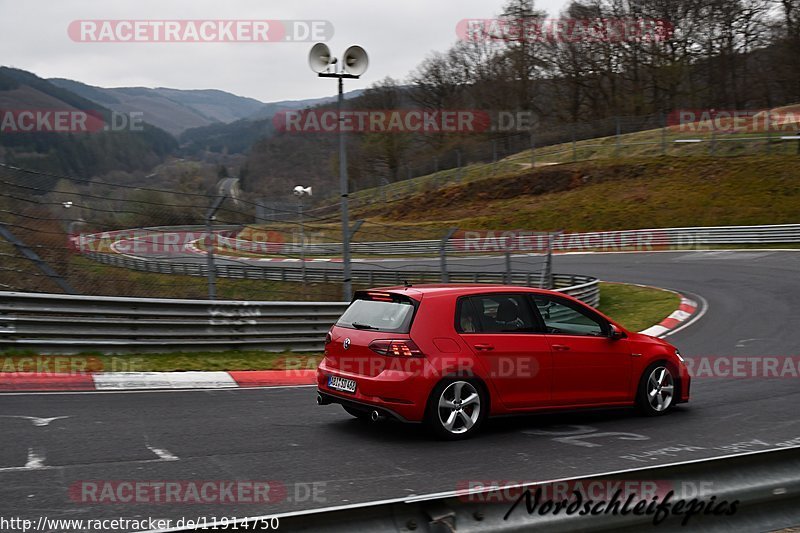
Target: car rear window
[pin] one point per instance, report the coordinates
(379, 312)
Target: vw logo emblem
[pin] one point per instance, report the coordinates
(347, 343)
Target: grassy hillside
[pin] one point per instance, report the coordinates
(613, 194)
(720, 138)
(586, 196)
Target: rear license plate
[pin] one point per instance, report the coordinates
(342, 384)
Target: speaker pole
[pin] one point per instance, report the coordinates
(344, 186)
(354, 64)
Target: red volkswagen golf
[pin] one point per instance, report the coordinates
(452, 355)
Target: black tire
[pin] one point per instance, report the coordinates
(657, 377)
(362, 415)
(466, 421)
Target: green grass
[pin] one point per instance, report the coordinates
(179, 361)
(615, 195)
(636, 308)
(660, 142)
(603, 194)
(209, 361)
(655, 143)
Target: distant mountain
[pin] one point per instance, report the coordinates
(269, 110)
(177, 110)
(239, 136)
(173, 110)
(206, 122)
(82, 153)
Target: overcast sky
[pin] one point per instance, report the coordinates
(397, 34)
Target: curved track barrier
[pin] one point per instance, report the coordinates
(63, 324)
(365, 276)
(749, 492)
(532, 241)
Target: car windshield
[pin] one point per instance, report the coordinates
(386, 316)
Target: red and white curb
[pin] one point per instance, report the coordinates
(111, 381)
(680, 317)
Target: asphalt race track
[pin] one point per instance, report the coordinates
(279, 434)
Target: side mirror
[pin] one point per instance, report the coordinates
(616, 334)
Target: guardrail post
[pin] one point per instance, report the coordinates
(547, 278)
(507, 278)
(443, 254)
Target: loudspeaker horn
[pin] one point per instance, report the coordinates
(355, 60)
(319, 58)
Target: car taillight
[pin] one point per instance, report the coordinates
(328, 338)
(396, 348)
(380, 296)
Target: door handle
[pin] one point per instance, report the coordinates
(560, 347)
(484, 347)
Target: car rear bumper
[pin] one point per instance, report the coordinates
(401, 395)
(326, 398)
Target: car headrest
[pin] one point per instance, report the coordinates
(507, 311)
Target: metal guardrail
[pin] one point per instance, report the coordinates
(764, 485)
(688, 236)
(373, 277)
(532, 241)
(53, 323)
(70, 324)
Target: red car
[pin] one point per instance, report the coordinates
(451, 355)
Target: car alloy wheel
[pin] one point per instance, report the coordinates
(459, 407)
(660, 389)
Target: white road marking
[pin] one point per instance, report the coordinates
(577, 435)
(580, 440)
(35, 462)
(162, 453)
(81, 465)
(744, 342)
(556, 431)
(39, 422)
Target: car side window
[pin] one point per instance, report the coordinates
(567, 318)
(466, 320)
(496, 313)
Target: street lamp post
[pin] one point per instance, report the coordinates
(354, 64)
(301, 191)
